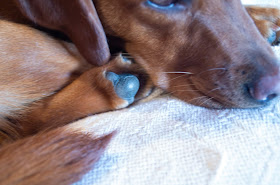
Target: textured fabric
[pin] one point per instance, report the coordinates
(166, 141)
(262, 2)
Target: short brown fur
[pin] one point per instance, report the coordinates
(45, 82)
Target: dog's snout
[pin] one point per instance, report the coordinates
(266, 88)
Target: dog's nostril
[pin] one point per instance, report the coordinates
(271, 97)
(261, 97)
(265, 88)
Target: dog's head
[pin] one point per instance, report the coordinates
(205, 52)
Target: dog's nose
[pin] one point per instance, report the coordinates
(266, 87)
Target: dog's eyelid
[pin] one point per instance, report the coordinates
(162, 4)
(168, 4)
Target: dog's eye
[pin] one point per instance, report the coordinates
(162, 3)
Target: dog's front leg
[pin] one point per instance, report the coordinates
(97, 90)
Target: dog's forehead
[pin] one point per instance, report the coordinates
(150, 20)
(165, 3)
(165, 17)
(171, 7)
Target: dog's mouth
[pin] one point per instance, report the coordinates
(193, 94)
(208, 98)
(216, 94)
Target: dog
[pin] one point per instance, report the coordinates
(208, 53)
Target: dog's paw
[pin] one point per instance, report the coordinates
(109, 87)
(125, 85)
(268, 22)
(120, 82)
(129, 80)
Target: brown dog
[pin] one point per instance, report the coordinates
(207, 53)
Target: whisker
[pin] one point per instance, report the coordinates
(184, 91)
(169, 80)
(214, 89)
(216, 69)
(188, 85)
(213, 69)
(206, 101)
(197, 98)
(178, 72)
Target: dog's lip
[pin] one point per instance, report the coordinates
(217, 102)
(207, 100)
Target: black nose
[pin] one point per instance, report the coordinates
(267, 87)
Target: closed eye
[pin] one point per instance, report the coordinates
(162, 3)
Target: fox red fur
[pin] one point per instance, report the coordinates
(45, 83)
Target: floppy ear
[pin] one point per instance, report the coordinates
(78, 19)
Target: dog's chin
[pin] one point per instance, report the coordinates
(201, 98)
(209, 102)
(222, 98)
(222, 103)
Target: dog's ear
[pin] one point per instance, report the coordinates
(78, 19)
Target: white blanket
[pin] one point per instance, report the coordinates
(166, 141)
